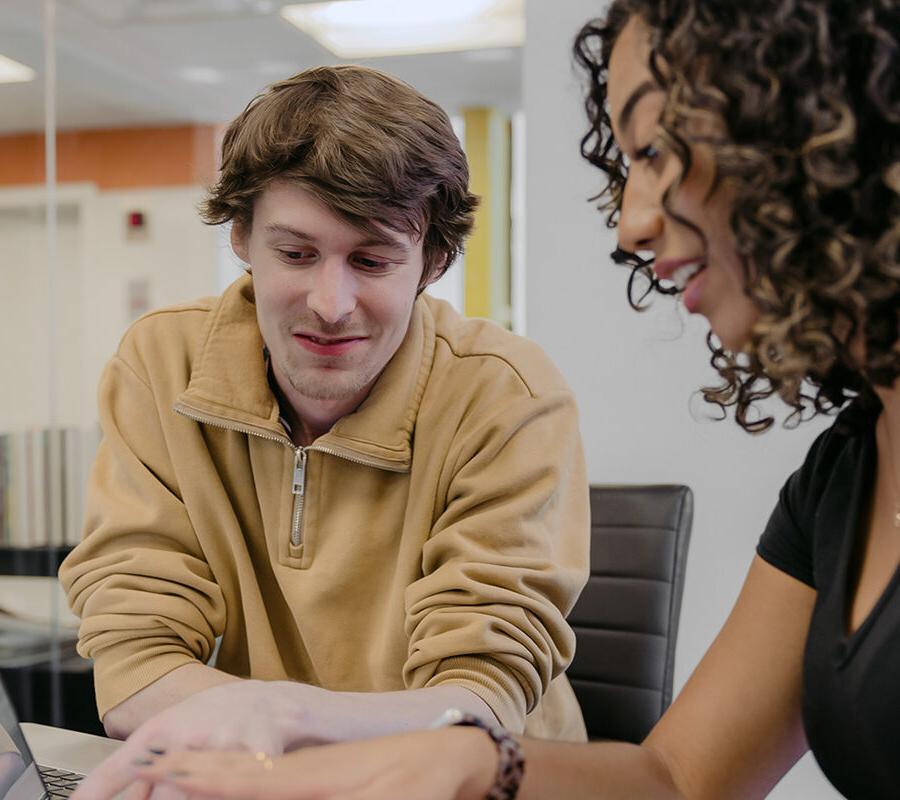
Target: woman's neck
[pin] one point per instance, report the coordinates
(890, 401)
(888, 441)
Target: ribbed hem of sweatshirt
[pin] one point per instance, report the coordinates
(492, 683)
(117, 675)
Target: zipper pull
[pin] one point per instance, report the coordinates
(299, 484)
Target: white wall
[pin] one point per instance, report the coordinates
(25, 322)
(634, 374)
(175, 258)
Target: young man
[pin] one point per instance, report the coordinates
(379, 506)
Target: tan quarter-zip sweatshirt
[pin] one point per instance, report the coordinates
(437, 535)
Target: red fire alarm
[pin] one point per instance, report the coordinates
(136, 225)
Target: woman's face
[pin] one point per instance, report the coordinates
(707, 267)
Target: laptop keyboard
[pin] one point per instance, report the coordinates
(59, 782)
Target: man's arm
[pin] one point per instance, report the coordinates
(505, 560)
(733, 731)
(179, 684)
(219, 712)
(325, 717)
(147, 597)
(322, 716)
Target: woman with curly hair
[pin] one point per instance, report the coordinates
(752, 157)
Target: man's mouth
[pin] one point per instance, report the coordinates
(327, 341)
(327, 345)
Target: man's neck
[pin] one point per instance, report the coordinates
(306, 418)
(309, 418)
(312, 421)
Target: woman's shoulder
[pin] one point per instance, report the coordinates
(830, 469)
(842, 443)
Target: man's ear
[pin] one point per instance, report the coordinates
(239, 242)
(434, 274)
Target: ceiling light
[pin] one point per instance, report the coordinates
(14, 72)
(132, 12)
(372, 28)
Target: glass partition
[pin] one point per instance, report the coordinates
(111, 113)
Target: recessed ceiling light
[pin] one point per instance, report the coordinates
(373, 28)
(14, 72)
(135, 12)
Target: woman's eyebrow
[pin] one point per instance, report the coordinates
(632, 101)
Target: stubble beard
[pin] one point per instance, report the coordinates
(339, 384)
(331, 379)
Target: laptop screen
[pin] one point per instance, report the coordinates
(19, 777)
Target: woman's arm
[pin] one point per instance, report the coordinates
(734, 730)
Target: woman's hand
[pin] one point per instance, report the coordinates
(447, 764)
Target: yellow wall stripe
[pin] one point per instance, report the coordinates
(487, 264)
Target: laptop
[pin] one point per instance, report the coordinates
(20, 777)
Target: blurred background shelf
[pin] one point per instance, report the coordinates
(32, 561)
(38, 634)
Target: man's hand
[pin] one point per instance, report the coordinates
(270, 717)
(448, 764)
(240, 715)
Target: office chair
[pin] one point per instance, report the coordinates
(626, 620)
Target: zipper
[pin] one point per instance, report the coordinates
(378, 463)
(298, 478)
(230, 425)
(298, 485)
(298, 488)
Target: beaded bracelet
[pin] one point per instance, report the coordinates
(512, 761)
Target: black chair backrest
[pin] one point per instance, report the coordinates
(626, 620)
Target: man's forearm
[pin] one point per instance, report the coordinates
(320, 715)
(121, 720)
(324, 716)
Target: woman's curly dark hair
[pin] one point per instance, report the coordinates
(808, 92)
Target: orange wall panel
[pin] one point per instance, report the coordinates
(21, 159)
(115, 158)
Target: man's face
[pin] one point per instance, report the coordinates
(333, 303)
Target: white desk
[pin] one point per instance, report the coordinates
(71, 750)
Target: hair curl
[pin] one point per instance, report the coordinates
(808, 94)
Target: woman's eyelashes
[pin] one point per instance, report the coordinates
(649, 153)
(646, 153)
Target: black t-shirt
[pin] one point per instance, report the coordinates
(851, 683)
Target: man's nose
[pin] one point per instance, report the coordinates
(333, 293)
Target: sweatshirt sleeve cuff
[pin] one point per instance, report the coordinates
(492, 683)
(119, 675)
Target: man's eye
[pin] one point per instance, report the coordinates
(372, 264)
(295, 255)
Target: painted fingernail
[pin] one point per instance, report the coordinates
(142, 762)
(157, 751)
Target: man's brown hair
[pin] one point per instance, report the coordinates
(368, 145)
